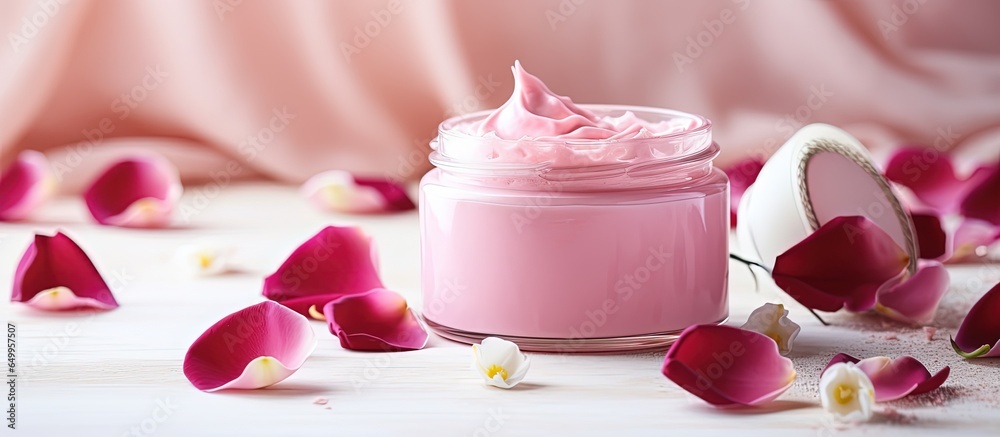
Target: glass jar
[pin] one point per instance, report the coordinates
(575, 245)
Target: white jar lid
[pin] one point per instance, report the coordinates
(821, 172)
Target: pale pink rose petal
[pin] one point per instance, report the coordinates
(25, 184)
(139, 191)
(341, 191)
(56, 274)
(979, 333)
(255, 347)
(728, 366)
(379, 320)
(895, 378)
(336, 262)
(970, 236)
(915, 299)
(840, 265)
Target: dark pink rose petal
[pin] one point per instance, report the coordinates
(336, 262)
(55, 274)
(928, 173)
(139, 192)
(841, 265)
(379, 320)
(24, 185)
(895, 379)
(252, 348)
(915, 299)
(931, 236)
(728, 366)
(741, 175)
(983, 200)
(341, 191)
(393, 193)
(840, 358)
(980, 331)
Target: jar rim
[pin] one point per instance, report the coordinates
(456, 149)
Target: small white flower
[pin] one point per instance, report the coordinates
(772, 320)
(200, 259)
(500, 362)
(846, 391)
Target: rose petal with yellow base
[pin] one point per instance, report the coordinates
(255, 347)
(55, 274)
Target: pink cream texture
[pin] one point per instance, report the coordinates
(537, 126)
(535, 112)
(561, 250)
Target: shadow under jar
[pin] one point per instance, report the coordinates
(575, 245)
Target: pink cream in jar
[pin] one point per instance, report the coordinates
(566, 227)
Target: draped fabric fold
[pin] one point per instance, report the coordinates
(283, 90)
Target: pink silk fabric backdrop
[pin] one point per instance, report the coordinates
(282, 90)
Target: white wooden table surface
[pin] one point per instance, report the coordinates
(119, 372)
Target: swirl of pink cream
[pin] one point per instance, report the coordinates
(535, 112)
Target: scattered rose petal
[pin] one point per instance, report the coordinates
(25, 184)
(979, 333)
(915, 299)
(841, 264)
(138, 192)
(741, 175)
(982, 201)
(725, 365)
(930, 175)
(895, 379)
(971, 235)
(200, 259)
(499, 362)
(931, 236)
(772, 320)
(341, 191)
(336, 262)
(320, 401)
(929, 331)
(847, 392)
(255, 347)
(378, 320)
(56, 274)
(952, 240)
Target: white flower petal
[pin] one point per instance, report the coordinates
(847, 393)
(518, 375)
(477, 359)
(498, 351)
(201, 259)
(499, 362)
(772, 320)
(498, 381)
